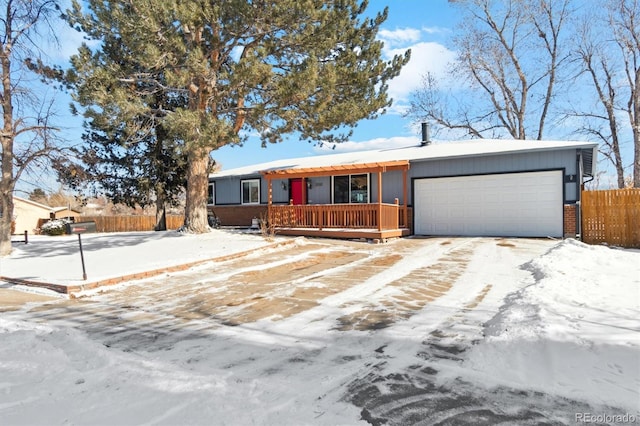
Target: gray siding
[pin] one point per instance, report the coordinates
(392, 187)
(228, 189)
(320, 191)
(280, 194)
(506, 163)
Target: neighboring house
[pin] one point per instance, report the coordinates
(474, 188)
(65, 213)
(27, 213)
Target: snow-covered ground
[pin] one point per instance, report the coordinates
(57, 259)
(515, 330)
(575, 332)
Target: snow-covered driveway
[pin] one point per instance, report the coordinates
(323, 332)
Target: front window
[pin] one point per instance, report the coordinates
(359, 188)
(351, 189)
(251, 191)
(211, 195)
(340, 189)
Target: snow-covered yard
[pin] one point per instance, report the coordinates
(57, 259)
(449, 331)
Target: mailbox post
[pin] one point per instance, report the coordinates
(84, 271)
(81, 228)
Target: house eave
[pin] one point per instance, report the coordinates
(341, 169)
(411, 154)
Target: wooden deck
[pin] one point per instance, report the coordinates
(370, 221)
(350, 220)
(344, 233)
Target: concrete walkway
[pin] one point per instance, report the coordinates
(12, 300)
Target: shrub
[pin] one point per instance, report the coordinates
(267, 229)
(55, 227)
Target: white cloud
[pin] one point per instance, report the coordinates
(435, 30)
(399, 36)
(425, 57)
(69, 40)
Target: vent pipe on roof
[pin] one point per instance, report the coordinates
(425, 135)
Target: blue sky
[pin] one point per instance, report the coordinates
(424, 26)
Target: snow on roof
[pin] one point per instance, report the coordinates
(33, 203)
(63, 208)
(436, 150)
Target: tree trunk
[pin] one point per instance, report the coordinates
(6, 194)
(617, 158)
(636, 165)
(161, 214)
(6, 207)
(635, 126)
(6, 139)
(636, 159)
(195, 220)
(161, 211)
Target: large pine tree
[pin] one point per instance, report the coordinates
(127, 155)
(304, 67)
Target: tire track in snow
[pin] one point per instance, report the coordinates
(393, 395)
(304, 292)
(414, 291)
(191, 304)
(154, 313)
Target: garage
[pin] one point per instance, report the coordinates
(527, 204)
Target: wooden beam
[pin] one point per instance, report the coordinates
(339, 169)
(405, 201)
(269, 198)
(380, 201)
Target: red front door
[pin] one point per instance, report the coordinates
(298, 193)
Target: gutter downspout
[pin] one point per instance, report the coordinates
(579, 195)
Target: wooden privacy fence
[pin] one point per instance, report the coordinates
(130, 223)
(611, 217)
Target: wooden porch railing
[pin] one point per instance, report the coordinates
(363, 216)
(401, 221)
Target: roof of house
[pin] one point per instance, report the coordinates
(44, 206)
(33, 203)
(433, 151)
(63, 208)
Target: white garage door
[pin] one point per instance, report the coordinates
(515, 204)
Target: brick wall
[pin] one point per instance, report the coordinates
(570, 228)
(239, 215)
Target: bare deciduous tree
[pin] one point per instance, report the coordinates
(26, 137)
(510, 57)
(608, 52)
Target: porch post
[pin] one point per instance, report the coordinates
(379, 200)
(269, 199)
(404, 197)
